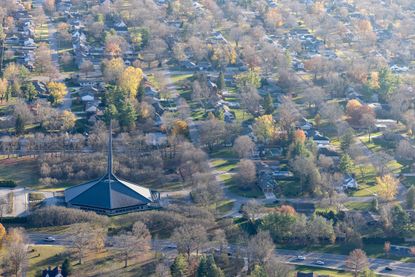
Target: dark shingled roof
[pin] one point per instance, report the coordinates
(109, 192)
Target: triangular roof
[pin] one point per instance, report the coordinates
(109, 192)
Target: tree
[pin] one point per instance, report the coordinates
(19, 125)
(260, 248)
(3, 234)
(15, 260)
(410, 197)
(387, 247)
(357, 262)
(276, 268)
(126, 245)
(388, 187)
(258, 271)
(246, 172)
(130, 80)
(368, 121)
(189, 238)
(66, 268)
(244, 146)
(220, 83)
(346, 164)
(68, 120)
(86, 67)
(346, 140)
(112, 69)
(82, 237)
(265, 129)
(268, 104)
(57, 92)
(179, 266)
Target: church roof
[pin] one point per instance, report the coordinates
(109, 192)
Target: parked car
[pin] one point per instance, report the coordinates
(320, 262)
(300, 258)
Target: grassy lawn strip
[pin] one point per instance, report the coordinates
(25, 172)
(326, 272)
(361, 206)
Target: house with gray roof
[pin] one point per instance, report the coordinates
(110, 195)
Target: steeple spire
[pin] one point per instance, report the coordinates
(109, 169)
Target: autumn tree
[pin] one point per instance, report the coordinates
(388, 187)
(130, 80)
(57, 92)
(112, 69)
(357, 262)
(15, 260)
(265, 128)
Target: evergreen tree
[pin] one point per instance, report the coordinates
(202, 269)
(221, 81)
(410, 198)
(179, 266)
(19, 125)
(30, 91)
(212, 269)
(346, 164)
(346, 140)
(110, 112)
(128, 115)
(268, 104)
(375, 204)
(66, 268)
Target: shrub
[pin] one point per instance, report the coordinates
(8, 184)
(58, 216)
(36, 196)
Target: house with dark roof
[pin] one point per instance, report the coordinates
(110, 195)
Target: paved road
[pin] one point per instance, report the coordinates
(332, 261)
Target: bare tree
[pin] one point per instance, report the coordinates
(246, 172)
(260, 248)
(276, 268)
(82, 237)
(357, 261)
(244, 146)
(189, 238)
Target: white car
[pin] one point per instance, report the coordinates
(300, 258)
(50, 239)
(320, 263)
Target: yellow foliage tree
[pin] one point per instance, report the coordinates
(68, 120)
(388, 187)
(130, 80)
(3, 233)
(265, 129)
(57, 91)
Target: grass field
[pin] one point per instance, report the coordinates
(327, 272)
(24, 171)
(40, 257)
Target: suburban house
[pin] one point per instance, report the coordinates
(110, 195)
(56, 272)
(349, 183)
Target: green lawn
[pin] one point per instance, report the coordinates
(320, 271)
(224, 165)
(181, 77)
(25, 172)
(361, 206)
(251, 192)
(44, 256)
